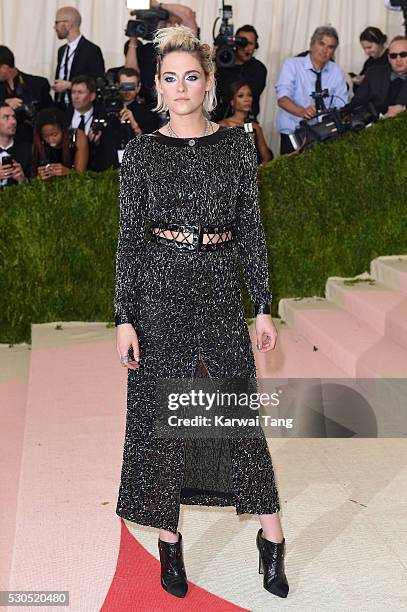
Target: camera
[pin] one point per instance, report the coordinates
(332, 123)
(27, 111)
(225, 41)
(108, 94)
(146, 22)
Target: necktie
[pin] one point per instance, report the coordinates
(66, 63)
(318, 89)
(5, 150)
(81, 125)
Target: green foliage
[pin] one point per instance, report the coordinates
(327, 212)
(57, 246)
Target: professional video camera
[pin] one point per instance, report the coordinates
(225, 42)
(332, 123)
(107, 94)
(146, 22)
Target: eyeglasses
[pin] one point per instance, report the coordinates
(61, 21)
(403, 54)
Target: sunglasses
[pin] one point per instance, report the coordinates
(403, 54)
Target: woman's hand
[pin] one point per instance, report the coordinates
(44, 172)
(59, 170)
(126, 338)
(358, 80)
(266, 333)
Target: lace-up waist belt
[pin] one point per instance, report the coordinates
(192, 237)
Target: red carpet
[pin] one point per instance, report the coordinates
(136, 585)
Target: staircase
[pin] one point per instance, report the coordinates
(361, 325)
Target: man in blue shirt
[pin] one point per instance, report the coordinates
(301, 76)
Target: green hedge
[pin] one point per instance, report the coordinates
(326, 212)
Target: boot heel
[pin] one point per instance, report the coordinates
(261, 567)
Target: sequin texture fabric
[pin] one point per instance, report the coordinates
(187, 309)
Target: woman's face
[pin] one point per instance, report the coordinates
(243, 99)
(183, 82)
(372, 49)
(52, 135)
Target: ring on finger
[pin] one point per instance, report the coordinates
(137, 359)
(124, 359)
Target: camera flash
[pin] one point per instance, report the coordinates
(138, 5)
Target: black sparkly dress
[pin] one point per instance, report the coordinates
(187, 309)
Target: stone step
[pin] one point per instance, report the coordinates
(346, 340)
(374, 303)
(293, 357)
(391, 271)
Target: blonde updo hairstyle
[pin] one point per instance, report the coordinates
(181, 38)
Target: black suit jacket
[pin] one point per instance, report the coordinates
(375, 89)
(88, 60)
(29, 88)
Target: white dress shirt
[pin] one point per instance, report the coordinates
(70, 50)
(88, 117)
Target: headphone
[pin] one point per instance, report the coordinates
(249, 28)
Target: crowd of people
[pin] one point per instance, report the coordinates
(92, 114)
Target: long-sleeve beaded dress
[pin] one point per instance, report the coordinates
(186, 307)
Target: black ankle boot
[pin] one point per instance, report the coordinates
(173, 576)
(271, 565)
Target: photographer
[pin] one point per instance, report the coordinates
(386, 86)
(301, 77)
(15, 158)
(246, 68)
(130, 117)
(142, 57)
(25, 93)
(135, 112)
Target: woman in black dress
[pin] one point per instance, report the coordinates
(179, 310)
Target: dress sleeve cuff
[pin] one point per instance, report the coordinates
(262, 308)
(122, 318)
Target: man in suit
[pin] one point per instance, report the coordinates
(77, 57)
(386, 86)
(24, 93)
(17, 169)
